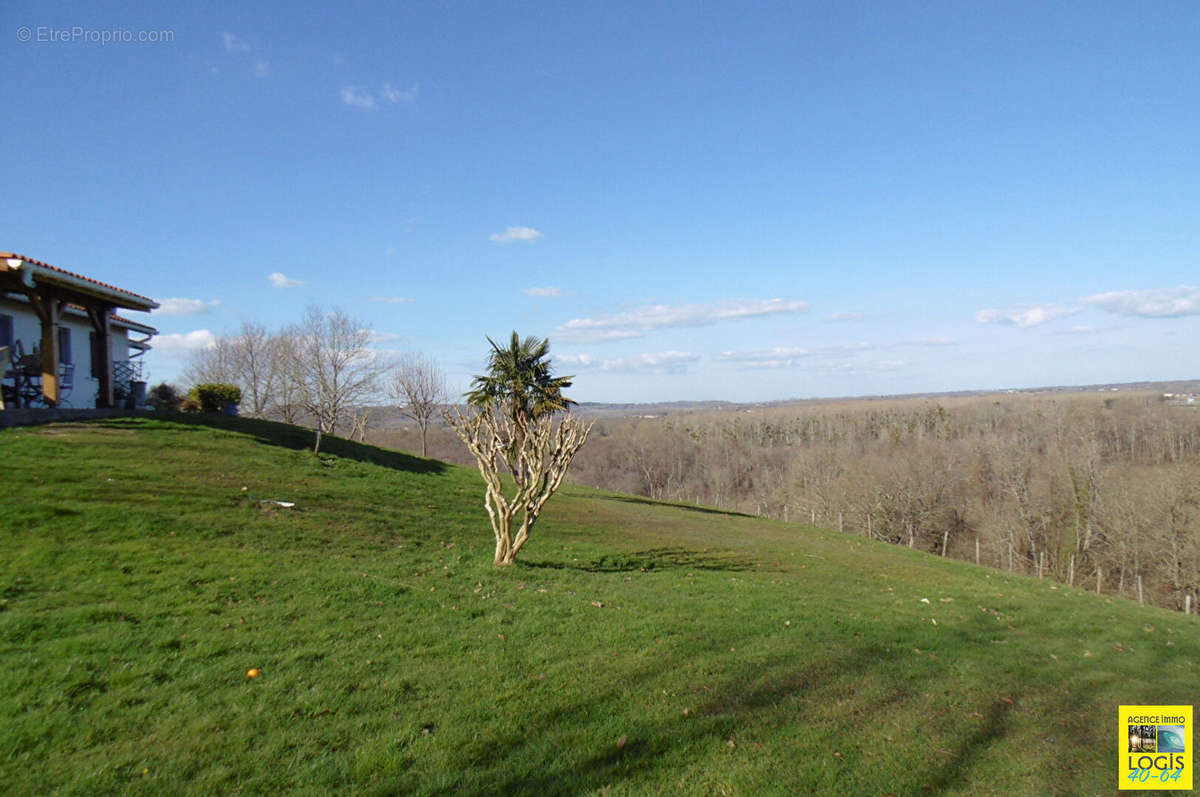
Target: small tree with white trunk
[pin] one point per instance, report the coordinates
(512, 429)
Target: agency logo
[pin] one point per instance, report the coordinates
(1155, 747)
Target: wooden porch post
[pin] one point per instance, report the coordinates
(49, 310)
(102, 360)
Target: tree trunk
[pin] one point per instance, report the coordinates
(505, 555)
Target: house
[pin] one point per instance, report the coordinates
(66, 344)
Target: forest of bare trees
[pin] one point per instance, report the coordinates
(1099, 491)
(1094, 491)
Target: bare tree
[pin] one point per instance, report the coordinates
(248, 360)
(537, 454)
(360, 419)
(256, 366)
(285, 403)
(214, 363)
(420, 386)
(331, 366)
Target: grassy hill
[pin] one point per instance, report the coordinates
(636, 647)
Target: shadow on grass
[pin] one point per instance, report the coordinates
(754, 700)
(637, 499)
(656, 559)
(297, 438)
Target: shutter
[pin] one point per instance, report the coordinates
(97, 354)
(64, 345)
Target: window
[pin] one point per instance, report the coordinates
(64, 345)
(6, 331)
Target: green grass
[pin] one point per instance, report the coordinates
(636, 646)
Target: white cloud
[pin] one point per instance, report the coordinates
(844, 317)
(262, 69)
(788, 356)
(526, 234)
(394, 95)
(357, 98)
(233, 44)
(1155, 303)
(935, 341)
(643, 319)
(778, 357)
(384, 337)
(663, 362)
(280, 280)
(600, 335)
(576, 360)
(890, 365)
(545, 292)
(181, 343)
(180, 306)
(391, 299)
(1025, 316)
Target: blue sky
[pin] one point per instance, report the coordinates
(693, 201)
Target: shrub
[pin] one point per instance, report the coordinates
(212, 396)
(164, 396)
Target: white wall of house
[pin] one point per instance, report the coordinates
(27, 329)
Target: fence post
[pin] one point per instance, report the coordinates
(1141, 600)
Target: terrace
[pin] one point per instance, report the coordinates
(40, 306)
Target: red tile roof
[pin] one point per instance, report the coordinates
(131, 322)
(115, 317)
(73, 274)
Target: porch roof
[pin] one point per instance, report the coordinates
(38, 272)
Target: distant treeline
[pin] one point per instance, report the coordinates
(1095, 490)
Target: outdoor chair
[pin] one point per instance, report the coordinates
(5, 361)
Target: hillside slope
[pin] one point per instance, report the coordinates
(636, 647)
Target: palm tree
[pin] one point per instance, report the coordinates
(518, 384)
(519, 381)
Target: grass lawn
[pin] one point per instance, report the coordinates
(636, 647)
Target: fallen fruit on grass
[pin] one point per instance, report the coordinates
(253, 672)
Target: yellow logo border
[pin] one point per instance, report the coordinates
(1150, 770)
